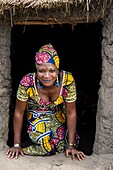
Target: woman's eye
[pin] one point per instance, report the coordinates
(52, 71)
(41, 71)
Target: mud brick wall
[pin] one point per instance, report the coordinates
(104, 121)
(5, 79)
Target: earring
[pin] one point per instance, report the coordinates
(39, 84)
(57, 81)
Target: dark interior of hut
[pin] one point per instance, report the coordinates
(79, 49)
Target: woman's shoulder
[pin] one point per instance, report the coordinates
(27, 79)
(67, 77)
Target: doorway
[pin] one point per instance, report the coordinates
(79, 49)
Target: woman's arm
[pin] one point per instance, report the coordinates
(17, 122)
(71, 121)
(71, 125)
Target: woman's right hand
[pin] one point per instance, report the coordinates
(14, 152)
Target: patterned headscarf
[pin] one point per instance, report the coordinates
(47, 54)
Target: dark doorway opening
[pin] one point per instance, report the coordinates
(79, 49)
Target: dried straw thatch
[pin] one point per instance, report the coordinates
(9, 4)
(93, 8)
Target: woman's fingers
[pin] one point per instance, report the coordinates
(10, 154)
(21, 152)
(80, 156)
(74, 153)
(16, 155)
(73, 157)
(7, 153)
(67, 153)
(14, 152)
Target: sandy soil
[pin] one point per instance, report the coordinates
(56, 162)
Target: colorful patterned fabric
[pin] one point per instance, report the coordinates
(47, 54)
(47, 120)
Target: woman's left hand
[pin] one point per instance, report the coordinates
(74, 153)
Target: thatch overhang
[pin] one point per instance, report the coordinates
(54, 11)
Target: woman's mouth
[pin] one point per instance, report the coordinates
(46, 81)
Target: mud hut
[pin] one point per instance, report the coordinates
(19, 19)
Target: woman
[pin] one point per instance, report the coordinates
(49, 98)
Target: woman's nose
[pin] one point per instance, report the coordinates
(46, 74)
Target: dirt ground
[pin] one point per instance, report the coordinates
(56, 162)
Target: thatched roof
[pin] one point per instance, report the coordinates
(9, 4)
(94, 8)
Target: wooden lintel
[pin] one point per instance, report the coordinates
(38, 22)
(50, 21)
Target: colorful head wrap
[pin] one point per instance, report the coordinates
(47, 54)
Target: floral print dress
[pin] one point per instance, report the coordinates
(47, 120)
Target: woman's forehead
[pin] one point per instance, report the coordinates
(47, 65)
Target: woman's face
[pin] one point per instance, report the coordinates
(47, 74)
